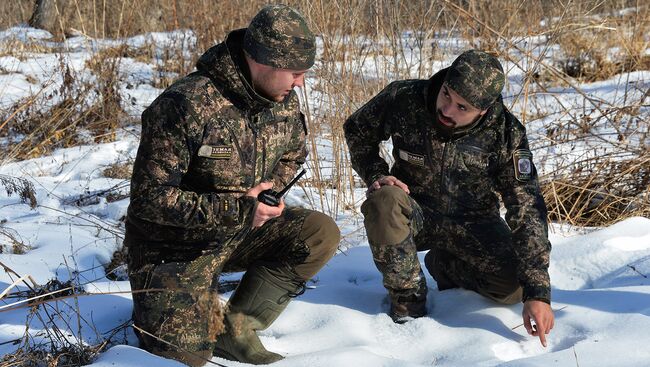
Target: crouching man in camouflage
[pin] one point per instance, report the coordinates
(210, 144)
(455, 147)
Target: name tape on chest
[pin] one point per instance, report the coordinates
(216, 151)
(412, 158)
(523, 161)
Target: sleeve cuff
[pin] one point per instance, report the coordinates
(539, 293)
(374, 177)
(247, 206)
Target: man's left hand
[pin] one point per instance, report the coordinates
(542, 314)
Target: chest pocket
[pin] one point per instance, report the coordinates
(220, 160)
(474, 160)
(470, 182)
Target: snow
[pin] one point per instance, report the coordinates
(601, 291)
(602, 305)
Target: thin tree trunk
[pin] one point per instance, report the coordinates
(44, 16)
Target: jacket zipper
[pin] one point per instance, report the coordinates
(233, 136)
(445, 207)
(253, 126)
(263, 172)
(430, 159)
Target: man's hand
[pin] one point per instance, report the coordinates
(387, 180)
(542, 314)
(264, 212)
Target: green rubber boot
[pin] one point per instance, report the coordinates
(259, 299)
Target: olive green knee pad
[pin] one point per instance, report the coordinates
(321, 235)
(387, 213)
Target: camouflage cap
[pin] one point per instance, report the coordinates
(278, 36)
(477, 77)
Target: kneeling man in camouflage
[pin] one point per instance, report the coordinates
(456, 149)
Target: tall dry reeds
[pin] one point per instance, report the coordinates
(368, 43)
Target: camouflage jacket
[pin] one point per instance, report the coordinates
(458, 176)
(205, 141)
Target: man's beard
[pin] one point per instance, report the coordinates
(449, 122)
(446, 131)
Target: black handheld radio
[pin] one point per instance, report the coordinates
(272, 198)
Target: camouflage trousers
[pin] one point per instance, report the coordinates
(475, 255)
(175, 298)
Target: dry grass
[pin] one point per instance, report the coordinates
(601, 191)
(10, 242)
(363, 50)
(119, 170)
(20, 186)
(54, 341)
(55, 118)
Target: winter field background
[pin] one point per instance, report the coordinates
(579, 79)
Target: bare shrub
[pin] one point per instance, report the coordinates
(54, 343)
(609, 177)
(14, 244)
(20, 186)
(83, 111)
(106, 114)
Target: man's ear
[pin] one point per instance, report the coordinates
(482, 113)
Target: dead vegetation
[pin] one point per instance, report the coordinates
(11, 242)
(363, 50)
(54, 324)
(372, 34)
(79, 111)
(119, 170)
(20, 186)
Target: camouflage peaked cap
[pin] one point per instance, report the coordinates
(278, 36)
(477, 77)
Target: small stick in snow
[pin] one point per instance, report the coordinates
(636, 271)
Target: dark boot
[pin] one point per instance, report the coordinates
(259, 299)
(406, 307)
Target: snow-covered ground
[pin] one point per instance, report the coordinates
(601, 290)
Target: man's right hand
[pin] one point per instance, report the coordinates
(387, 180)
(542, 314)
(264, 212)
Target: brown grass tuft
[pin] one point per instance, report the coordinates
(119, 170)
(587, 41)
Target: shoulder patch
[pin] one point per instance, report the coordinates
(523, 161)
